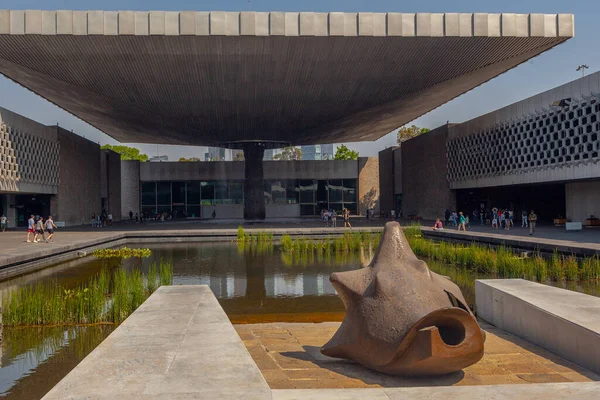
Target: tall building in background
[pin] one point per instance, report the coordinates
(215, 154)
(317, 152)
(268, 155)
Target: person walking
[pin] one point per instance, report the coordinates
(454, 218)
(333, 218)
(3, 223)
(50, 227)
(532, 222)
(30, 228)
(93, 220)
(447, 216)
(39, 230)
(130, 215)
(393, 215)
(109, 219)
(462, 222)
(347, 218)
(524, 218)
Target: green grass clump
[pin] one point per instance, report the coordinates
(124, 252)
(502, 262)
(99, 300)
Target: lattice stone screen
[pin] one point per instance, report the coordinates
(553, 138)
(25, 158)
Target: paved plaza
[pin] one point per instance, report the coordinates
(289, 357)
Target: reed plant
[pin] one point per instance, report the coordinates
(503, 262)
(99, 300)
(124, 252)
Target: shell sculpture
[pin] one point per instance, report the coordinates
(401, 318)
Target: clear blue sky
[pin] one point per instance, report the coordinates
(544, 72)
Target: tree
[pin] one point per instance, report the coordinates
(126, 152)
(288, 154)
(409, 132)
(239, 156)
(191, 159)
(344, 153)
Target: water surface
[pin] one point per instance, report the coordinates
(255, 283)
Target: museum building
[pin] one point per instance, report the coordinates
(540, 153)
(47, 170)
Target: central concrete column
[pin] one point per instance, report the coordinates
(254, 197)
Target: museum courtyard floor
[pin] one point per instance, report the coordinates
(288, 356)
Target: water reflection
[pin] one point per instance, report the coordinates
(254, 283)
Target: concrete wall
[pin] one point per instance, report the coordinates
(224, 211)
(226, 170)
(29, 153)
(130, 187)
(398, 171)
(79, 179)
(368, 184)
(283, 210)
(111, 182)
(425, 189)
(387, 179)
(582, 200)
(557, 143)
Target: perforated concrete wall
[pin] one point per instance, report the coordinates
(553, 136)
(28, 161)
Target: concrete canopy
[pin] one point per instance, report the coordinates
(228, 78)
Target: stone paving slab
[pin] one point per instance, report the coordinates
(178, 345)
(288, 355)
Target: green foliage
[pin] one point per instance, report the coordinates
(126, 152)
(408, 132)
(502, 262)
(124, 252)
(239, 156)
(288, 154)
(95, 301)
(191, 159)
(344, 153)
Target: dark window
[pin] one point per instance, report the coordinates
(335, 191)
(149, 193)
(163, 190)
(178, 193)
(307, 192)
(236, 192)
(208, 192)
(193, 192)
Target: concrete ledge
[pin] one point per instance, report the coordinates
(220, 23)
(564, 322)
(178, 345)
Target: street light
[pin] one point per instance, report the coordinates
(582, 68)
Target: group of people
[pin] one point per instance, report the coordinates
(37, 227)
(102, 219)
(456, 219)
(496, 217)
(331, 215)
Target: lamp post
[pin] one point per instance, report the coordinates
(582, 68)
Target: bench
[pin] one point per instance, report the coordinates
(573, 226)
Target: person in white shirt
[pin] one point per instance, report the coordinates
(3, 223)
(30, 228)
(50, 228)
(109, 219)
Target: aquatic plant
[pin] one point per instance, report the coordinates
(124, 252)
(503, 262)
(99, 300)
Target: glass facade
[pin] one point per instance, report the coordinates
(187, 198)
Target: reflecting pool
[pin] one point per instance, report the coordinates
(254, 283)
